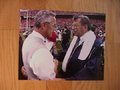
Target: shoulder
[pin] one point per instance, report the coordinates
(90, 36)
(30, 40)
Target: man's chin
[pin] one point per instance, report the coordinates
(75, 34)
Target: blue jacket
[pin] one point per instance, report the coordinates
(88, 69)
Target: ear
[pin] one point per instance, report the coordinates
(43, 26)
(85, 27)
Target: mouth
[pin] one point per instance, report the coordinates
(74, 32)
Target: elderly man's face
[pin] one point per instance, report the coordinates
(77, 27)
(50, 27)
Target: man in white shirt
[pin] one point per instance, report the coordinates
(80, 53)
(38, 61)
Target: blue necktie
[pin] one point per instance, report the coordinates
(75, 46)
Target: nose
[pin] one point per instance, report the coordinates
(73, 27)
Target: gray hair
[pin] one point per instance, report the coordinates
(42, 17)
(84, 20)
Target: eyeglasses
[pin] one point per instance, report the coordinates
(53, 25)
(75, 25)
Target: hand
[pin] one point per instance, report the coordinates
(23, 70)
(56, 62)
(56, 65)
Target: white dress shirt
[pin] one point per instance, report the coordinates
(37, 58)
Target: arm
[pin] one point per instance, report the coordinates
(42, 64)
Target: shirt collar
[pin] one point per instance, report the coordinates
(85, 36)
(38, 35)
